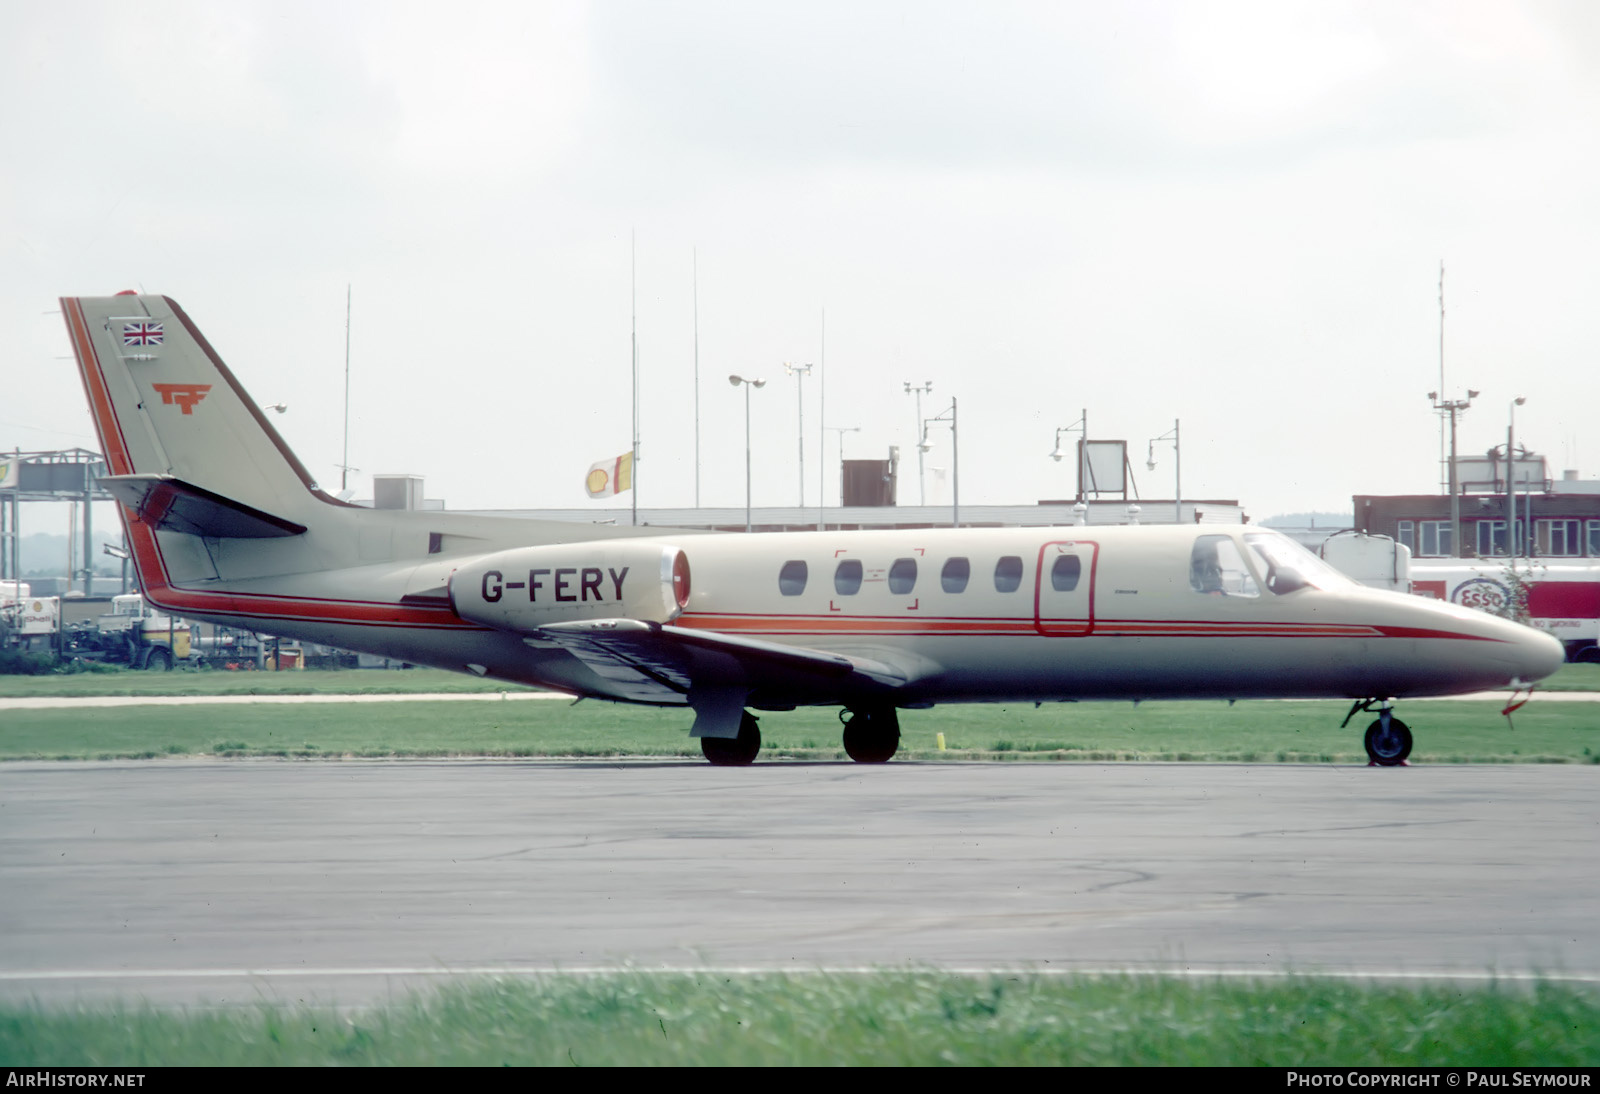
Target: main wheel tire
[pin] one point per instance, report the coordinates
(737, 751)
(872, 737)
(1388, 749)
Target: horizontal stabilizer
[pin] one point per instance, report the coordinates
(163, 501)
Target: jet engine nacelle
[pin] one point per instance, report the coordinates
(530, 587)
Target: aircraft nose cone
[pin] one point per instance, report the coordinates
(1538, 655)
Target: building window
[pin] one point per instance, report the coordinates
(1557, 538)
(953, 578)
(1435, 539)
(1426, 538)
(1492, 538)
(792, 578)
(902, 575)
(1594, 539)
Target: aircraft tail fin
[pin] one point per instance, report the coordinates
(186, 446)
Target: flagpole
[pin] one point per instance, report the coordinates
(344, 461)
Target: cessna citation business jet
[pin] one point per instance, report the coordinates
(226, 525)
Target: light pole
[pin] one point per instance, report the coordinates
(1082, 426)
(841, 430)
(955, 458)
(800, 372)
(1511, 481)
(1451, 408)
(736, 380)
(917, 390)
(1177, 467)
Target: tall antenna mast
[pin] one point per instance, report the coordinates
(344, 461)
(822, 423)
(633, 301)
(1444, 469)
(696, 254)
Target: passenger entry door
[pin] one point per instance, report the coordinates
(1063, 596)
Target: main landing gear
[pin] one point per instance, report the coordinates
(871, 736)
(1388, 740)
(734, 751)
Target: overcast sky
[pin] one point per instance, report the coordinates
(1231, 214)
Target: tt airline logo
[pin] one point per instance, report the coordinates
(185, 395)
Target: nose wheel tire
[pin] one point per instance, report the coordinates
(737, 751)
(1388, 747)
(872, 736)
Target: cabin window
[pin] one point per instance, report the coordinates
(847, 577)
(1216, 568)
(1064, 574)
(903, 575)
(1007, 574)
(953, 578)
(792, 578)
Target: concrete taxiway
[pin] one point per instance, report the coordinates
(194, 881)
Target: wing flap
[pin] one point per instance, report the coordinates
(662, 662)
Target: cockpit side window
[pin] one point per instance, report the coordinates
(1217, 568)
(1286, 566)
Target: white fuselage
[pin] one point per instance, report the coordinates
(1132, 626)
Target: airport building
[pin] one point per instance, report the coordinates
(1043, 514)
(1562, 514)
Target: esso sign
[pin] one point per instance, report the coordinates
(1483, 593)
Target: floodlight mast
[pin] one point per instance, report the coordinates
(1511, 485)
(918, 390)
(1082, 427)
(800, 372)
(1177, 467)
(736, 380)
(955, 458)
(1451, 408)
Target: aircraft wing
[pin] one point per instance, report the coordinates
(655, 662)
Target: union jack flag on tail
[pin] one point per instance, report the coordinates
(142, 334)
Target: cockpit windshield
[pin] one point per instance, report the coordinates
(1286, 566)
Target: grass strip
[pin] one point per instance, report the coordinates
(889, 1018)
(383, 682)
(1247, 732)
